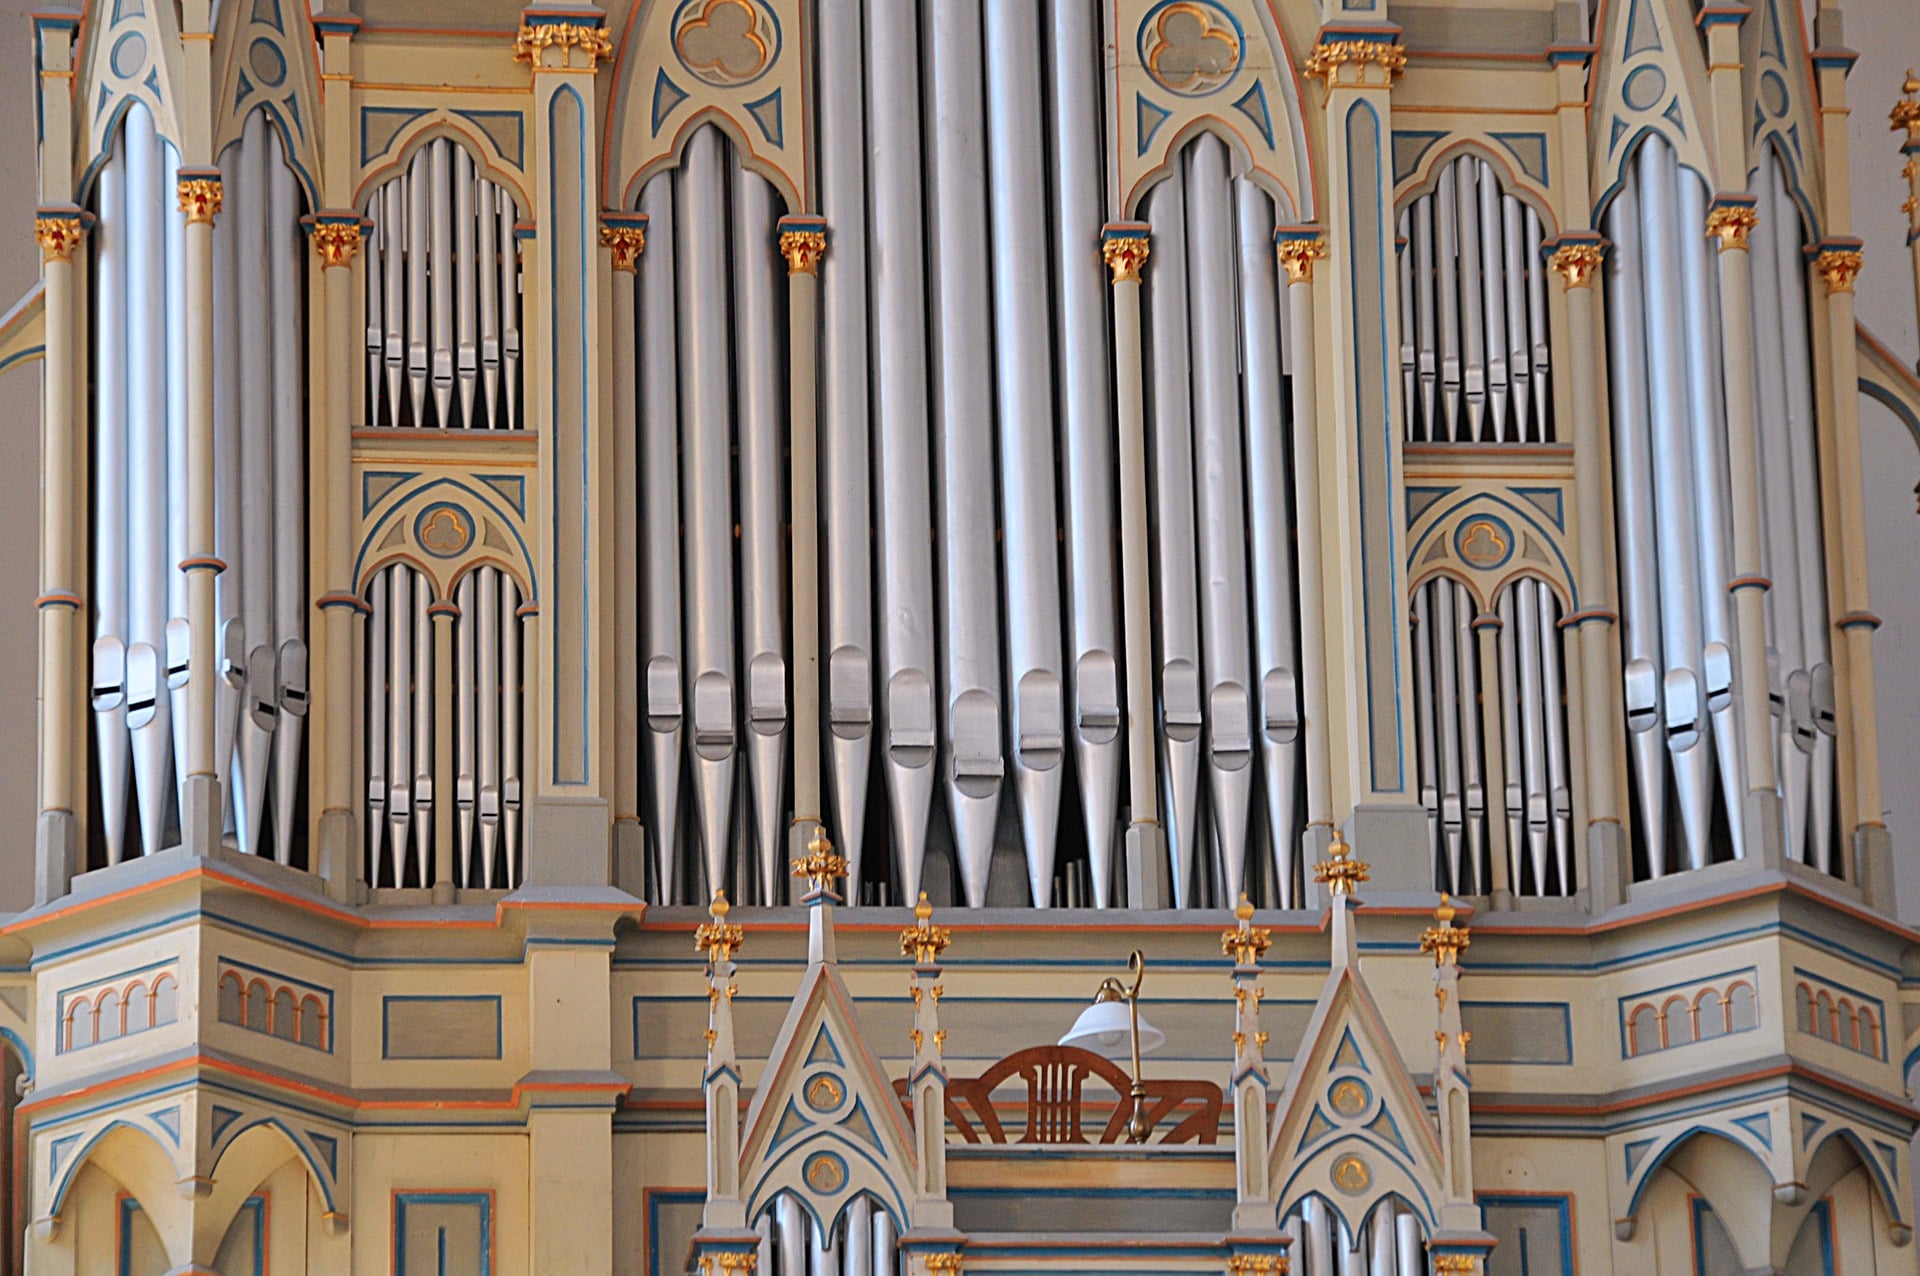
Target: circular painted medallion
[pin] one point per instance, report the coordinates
(726, 43)
(1349, 1097)
(443, 530)
(824, 1093)
(1352, 1175)
(1483, 541)
(825, 1172)
(1191, 47)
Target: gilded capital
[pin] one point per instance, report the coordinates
(1732, 223)
(627, 242)
(1125, 248)
(1839, 267)
(1578, 261)
(1343, 62)
(803, 250)
(58, 234)
(200, 198)
(729, 1262)
(336, 242)
(1455, 1263)
(534, 39)
(948, 1264)
(1258, 1265)
(1298, 252)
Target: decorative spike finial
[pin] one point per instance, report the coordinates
(1340, 873)
(1445, 941)
(719, 939)
(821, 866)
(1245, 942)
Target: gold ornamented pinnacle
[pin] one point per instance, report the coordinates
(1906, 112)
(719, 939)
(1839, 267)
(803, 250)
(336, 242)
(1732, 223)
(1578, 262)
(627, 243)
(1245, 942)
(1298, 253)
(821, 866)
(1125, 255)
(1445, 941)
(200, 199)
(58, 236)
(923, 941)
(1330, 55)
(1341, 873)
(592, 41)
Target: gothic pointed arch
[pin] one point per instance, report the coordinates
(1782, 105)
(1648, 80)
(129, 53)
(266, 60)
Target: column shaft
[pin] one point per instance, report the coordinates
(60, 601)
(201, 820)
(336, 239)
(627, 239)
(803, 282)
(1309, 564)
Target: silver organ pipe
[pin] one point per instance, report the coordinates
(443, 289)
(253, 569)
(660, 651)
(465, 726)
(760, 389)
(174, 648)
(1477, 297)
(418, 613)
(962, 403)
(847, 626)
(907, 619)
(1270, 524)
(1389, 1241)
(228, 438)
(287, 249)
(1086, 429)
(1023, 350)
(109, 690)
(1802, 690)
(511, 671)
(486, 640)
(483, 623)
(861, 1241)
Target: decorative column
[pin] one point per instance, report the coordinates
(1125, 246)
(803, 242)
(1254, 1237)
(1576, 258)
(719, 940)
(569, 824)
(202, 818)
(1299, 247)
(1730, 220)
(927, 1078)
(59, 231)
(624, 235)
(1906, 115)
(336, 237)
(1838, 261)
(1358, 57)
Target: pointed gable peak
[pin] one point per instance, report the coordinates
(825, 1123)
(1351, 1126)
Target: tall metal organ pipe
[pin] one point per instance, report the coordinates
(141, 634)
(860, 1241)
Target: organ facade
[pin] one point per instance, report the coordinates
(639, 603)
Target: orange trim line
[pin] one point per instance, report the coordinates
(500, 908)
(1875, 1097)
(279, 1081)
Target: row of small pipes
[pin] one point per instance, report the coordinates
(404, 750)
(140, 439)
(1474, 354)
(1388, 1243)
(443, 297)
(860, 1242)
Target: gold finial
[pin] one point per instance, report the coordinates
(1342, 872)
(822, 866)
(1245, 943)
(1839, 267)
(1906, 112)
(58, 236)
(336, 242)
(200, 198)
(923, 941)
(1732, 223)
(1578, 261)
(803, 249)
(719, 939)
(1445, 941)
(592, 41)
(627, 242)
(1125, 254)
(1298, 253)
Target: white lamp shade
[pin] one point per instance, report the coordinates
(1103, 1029)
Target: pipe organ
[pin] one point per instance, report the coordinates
(535, 503)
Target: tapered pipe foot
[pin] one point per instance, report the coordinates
(339, 843)
(201, 815)
(1146, 855)
(1766, 829)
(55, 840)
(630, 856)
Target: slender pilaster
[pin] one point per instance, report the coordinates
(1299, 247)
(1577, 259)
(1905, 117)
(927, 1081)
(1253, 1190)
(336, 237)
(803, 242)
(569, 830)
(1358, 62)
(1459, 1245)
(1730, 220)
(624, 235)
(59, 232)
(1126, 247)
(201, 817)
